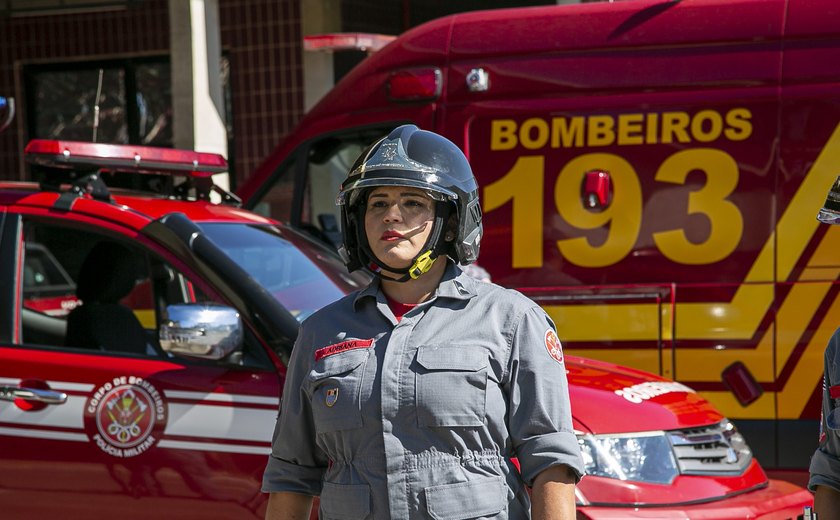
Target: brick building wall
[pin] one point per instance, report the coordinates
(263, 41)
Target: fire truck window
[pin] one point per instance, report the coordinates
(277, 201)
(328, 163)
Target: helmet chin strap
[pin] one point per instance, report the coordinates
(420, 264)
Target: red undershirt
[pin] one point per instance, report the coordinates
(399, 309)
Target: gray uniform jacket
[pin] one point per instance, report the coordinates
(420, 418)
(825, 464)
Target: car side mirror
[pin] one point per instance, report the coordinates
(201, 330)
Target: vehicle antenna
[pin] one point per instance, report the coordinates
(96, 104)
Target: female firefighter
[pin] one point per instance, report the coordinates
(409, 398)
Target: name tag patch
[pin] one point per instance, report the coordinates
(344, 346)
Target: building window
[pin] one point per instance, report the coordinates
(134, 101)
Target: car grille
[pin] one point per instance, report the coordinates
(709, 450)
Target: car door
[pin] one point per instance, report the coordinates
(87, 431)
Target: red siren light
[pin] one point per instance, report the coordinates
(346, 42)
(141, 159)
(416, 84)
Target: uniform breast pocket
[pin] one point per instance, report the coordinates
(335, 385)
(451, 385)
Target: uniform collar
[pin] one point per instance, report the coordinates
(457, 284)
(454, 284)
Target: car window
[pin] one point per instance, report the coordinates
(303, 277)
(86, 290)
(47, 287)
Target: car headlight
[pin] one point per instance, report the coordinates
(736, 441)
(641, 457)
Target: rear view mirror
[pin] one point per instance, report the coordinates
(206, 331)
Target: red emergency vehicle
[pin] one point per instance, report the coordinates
(173, 418)
(650, 173)
(175, 423)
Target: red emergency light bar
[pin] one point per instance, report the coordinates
(121, 157)
(346, 42)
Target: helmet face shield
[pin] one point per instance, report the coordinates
(350, 195)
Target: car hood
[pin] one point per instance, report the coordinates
(604, 396)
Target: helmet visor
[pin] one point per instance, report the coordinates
(349, 195)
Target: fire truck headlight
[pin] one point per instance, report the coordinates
(637, 457)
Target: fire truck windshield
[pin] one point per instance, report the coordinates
(302, 276)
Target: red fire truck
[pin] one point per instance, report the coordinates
(650, 173)
(193, 306)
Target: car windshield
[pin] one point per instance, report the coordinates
(303, 276)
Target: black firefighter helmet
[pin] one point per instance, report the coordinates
(420, 159)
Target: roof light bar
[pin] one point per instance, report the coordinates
(346, 42)
(120, 157)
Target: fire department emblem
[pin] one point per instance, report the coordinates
(389, 151)
(332, 396)
(125, 416)
(552, 344)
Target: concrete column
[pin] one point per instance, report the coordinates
(318, 17)
(197, 99)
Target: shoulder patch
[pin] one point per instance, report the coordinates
(337, 348)
(552, 344)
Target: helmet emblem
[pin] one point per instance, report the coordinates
(389, 151)
(332, 397)
(391, 155)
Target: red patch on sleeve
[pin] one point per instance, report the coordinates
(342, 347)
(552, 344)
(834, 391)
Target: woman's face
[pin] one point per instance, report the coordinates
(398, 221)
